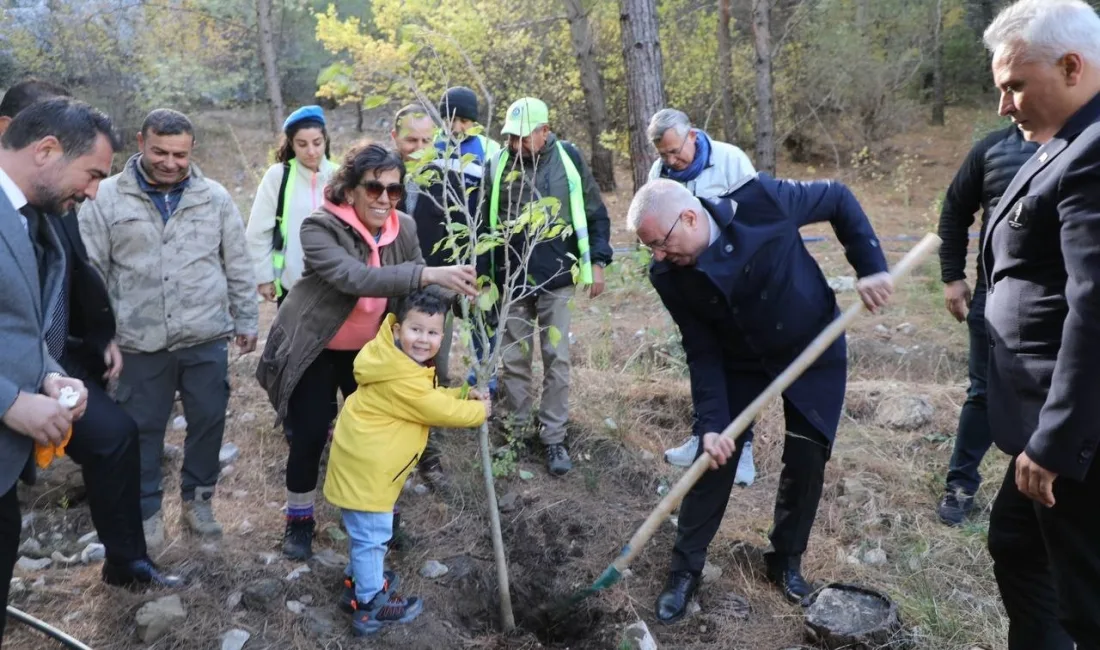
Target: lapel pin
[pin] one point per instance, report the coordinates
(1043, 157)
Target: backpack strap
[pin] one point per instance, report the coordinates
(280, 206)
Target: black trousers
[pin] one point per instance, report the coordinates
(105, 445)
(1047, 564)
(11, 525)
(805, 452)
(311, 408)
(974, 437)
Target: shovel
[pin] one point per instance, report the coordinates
(614, 572)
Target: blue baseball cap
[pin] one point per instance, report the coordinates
(312, 112)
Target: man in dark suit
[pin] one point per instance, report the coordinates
(50, 156)
(1041, 256)
(80, 337)
(748, 298)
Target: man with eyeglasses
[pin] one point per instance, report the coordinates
(748, 298)
(170, 244)
(708, 169)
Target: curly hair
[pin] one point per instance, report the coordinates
(362, 158)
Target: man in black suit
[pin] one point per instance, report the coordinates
(1041, 256)
(79, 336)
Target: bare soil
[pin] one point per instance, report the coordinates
(630, 401)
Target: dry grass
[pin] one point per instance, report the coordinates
(565, 531)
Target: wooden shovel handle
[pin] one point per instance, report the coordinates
(814, 350)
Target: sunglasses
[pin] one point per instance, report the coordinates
(374, 189)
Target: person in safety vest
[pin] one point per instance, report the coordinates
(534, 166)
(709, 169)
(291, 190)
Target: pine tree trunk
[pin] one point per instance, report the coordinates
(765, 111)
(645, 90)
(939, 99)
(603, 163)
(725, 71)
(275, 107)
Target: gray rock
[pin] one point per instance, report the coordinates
(179, 423)
(39, 584)
(874, 557)
(245, 527)
(233, 600)
(171, 452)
(267, 559)
(298, 572)
(637, 637)
(331, 559)
(88, 538)
(262, 594)
(319, 622)
(904, 412)
(229, 454)
(31, 547)
(27, 565)
(842, 283)
(28, 519)
(855, 492)
(16, 588)
(510, 502)
(157, 618)
(295, 607)
(305, 599)
(227, 471)
(94, 552)
(235, 639)
(420, 489)
(64, 560)
(433, 570)
(906, 328)
(711, 572)
(247, 417)
(845, 616)
(647, 455)
(611, 424)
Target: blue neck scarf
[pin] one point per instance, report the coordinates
(698, 164)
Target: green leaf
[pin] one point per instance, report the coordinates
(554, 335)
(526, 475)
(485, 301)
(374, 101)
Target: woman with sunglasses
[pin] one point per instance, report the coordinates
(360, 253)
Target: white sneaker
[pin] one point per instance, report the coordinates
(684, 455)
(153, 527)
(746, 470)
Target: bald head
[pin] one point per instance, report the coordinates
(670, 221)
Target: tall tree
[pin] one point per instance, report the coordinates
(939, 98)
(645, 89)
(765, 106)
(725, 70)
(603, 163)
(275, 107)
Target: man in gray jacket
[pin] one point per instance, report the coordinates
(52, 155)
(171, 245)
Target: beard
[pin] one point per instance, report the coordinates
(50, 199)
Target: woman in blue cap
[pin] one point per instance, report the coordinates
(291, 190)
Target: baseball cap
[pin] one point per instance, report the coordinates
(524, 115)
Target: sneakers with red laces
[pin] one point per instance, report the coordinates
(397, 610)
(349, 604)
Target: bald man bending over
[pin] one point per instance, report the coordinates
(748, 298)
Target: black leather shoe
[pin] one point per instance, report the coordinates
(138, 572)
(673, 601)
(794, 587)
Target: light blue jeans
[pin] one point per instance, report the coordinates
(368, 533)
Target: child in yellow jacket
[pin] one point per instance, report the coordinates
(379, 437)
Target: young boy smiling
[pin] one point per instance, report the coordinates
(379, 437)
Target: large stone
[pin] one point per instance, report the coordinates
(904, 412)
(235, 639)
(27, 565)
(229, 454)
(262, 594)
(433, 569)
(157, 618)
(637, 637)
(711, 573)
(847, 616)
(32, 548)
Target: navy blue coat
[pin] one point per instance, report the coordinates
(1041, 254)
(756, 298)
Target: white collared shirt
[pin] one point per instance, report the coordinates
(14, 194)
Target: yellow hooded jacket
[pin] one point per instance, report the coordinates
(383, 427)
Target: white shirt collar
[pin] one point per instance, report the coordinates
(12, 191)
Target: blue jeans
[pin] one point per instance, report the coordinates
(368, 532)
(974, 437)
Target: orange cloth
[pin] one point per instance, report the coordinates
(44, 454)
(366, 317)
